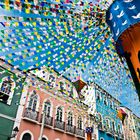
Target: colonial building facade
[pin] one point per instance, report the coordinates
(10, 92)
(131, 125)
(51, 109)
(137, 126)
(103, 110)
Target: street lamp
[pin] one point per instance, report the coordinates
(14, 133)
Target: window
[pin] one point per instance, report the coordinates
(107, 124)
(51, 82)
(98, 96)
(26, 136)
(79, 122)
(111, 104)
(44, 138)
(70, 90)
(6, 90)
(62, 86)
(59, 114)
(105, 100)
(47, 108)
(101, 138)
(119, 129)
(113, 126)
(33, 101)
(70, 119)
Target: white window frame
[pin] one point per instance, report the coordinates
(62, 112)
(62, 81)
(27, 131)
(9, 101)
(38, 100)
(114, 125)
(107, 120)
(105, 100)
(44, 136)
(81, 121)
(72, 117)
(54, 83)
(51, 106)
(98, 94)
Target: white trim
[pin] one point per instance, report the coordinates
(24, 132)
(63, 111)
(51, 109)
(55, 78)
(12, 89)
(7, 117)
(44, 136)
(79, 116)
(21, 106)
(73, 119)
(102, 138)
(62, 81)
(38, 100)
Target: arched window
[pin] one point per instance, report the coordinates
(51, 81)
(47, 108)
(107, 124)
(6, 90)
(59, 114)
(119, 128)
(113, 126)
(79, 122)
(62, 86)
(70, 90)
(26, 136)
(44, 138)
(70, 119)
(98, 96)
(105, 100)
(33, 101)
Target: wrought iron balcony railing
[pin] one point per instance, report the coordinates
(80, 132)
(59, 124)
(48, 120)
(70, 129)
(31, 114)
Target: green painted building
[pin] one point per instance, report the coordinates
(11, 84)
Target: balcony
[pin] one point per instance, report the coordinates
(30, 115)
(80, 132)
(59, 125)
(48, 121)
(70, 129)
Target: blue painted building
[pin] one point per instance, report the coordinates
(103, 112)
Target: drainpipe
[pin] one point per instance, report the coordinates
(42, 126)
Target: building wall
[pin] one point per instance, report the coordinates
(94, 98)
(137, 126)
(129, 125)
(57, 99)
(8, 111)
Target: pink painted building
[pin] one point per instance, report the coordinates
(50, 109)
